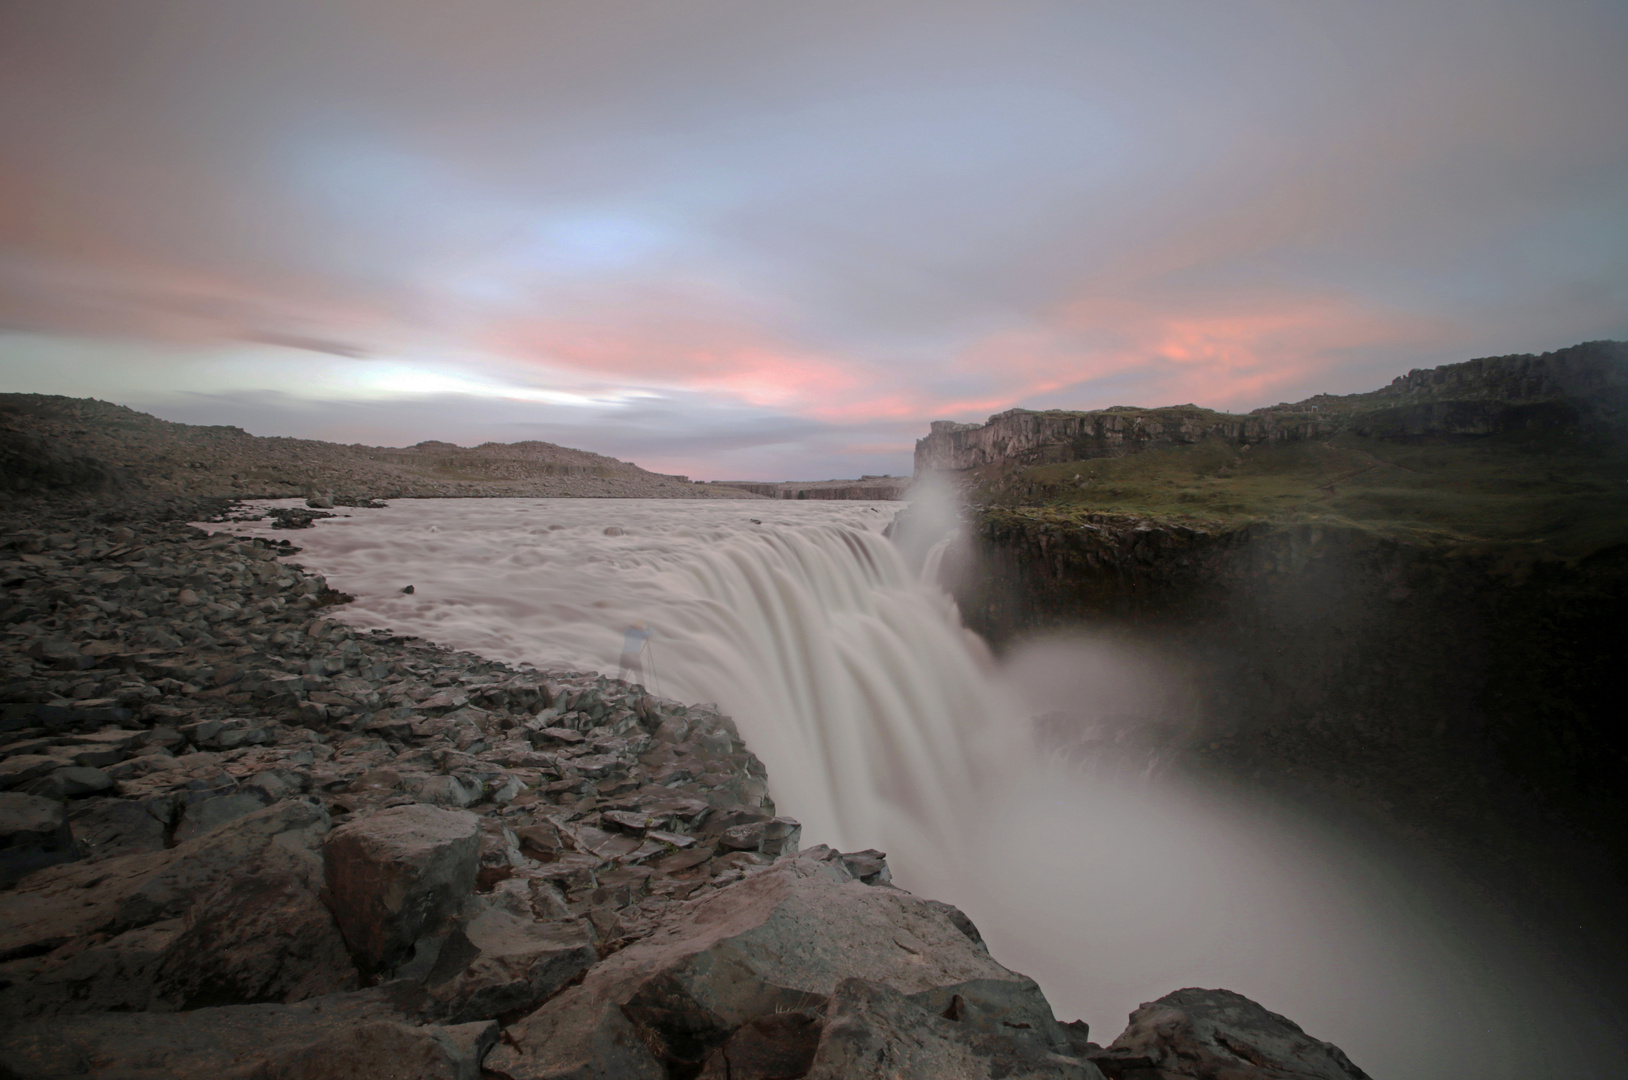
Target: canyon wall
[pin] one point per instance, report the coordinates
(1585, 385)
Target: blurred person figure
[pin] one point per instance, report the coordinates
(634, 639)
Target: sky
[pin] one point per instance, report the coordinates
(757, 239)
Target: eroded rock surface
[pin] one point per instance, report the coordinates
(1198, 1034)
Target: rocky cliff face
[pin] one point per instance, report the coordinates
(1584, 385)
(1022, 437)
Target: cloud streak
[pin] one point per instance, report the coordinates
(722, 220)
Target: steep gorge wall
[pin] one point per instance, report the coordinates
(1416, 672)
(1020, 436)
(1585, 385)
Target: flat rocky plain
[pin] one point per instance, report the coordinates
(239, 839)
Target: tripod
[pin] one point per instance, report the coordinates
(655, 679)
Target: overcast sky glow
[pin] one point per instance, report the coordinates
(774, 240)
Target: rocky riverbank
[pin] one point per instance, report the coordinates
(240, 839)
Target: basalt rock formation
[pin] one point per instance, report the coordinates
(241, 840)
(1583, 386)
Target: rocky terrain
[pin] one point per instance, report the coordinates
(239, 839)
(1585, 386)
(50, 443)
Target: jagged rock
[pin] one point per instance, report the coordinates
(21, 768)
(259, 937)
(1198, 1034)
(213, 812)
(774, 1047)
(869, 866)
(115, 975)
(328, 1038)
(54, 906)
(780, 939)
(398, 874)
(34, 833)
(517, 963)
(70, 782)
(873, 1032)
(959, 918)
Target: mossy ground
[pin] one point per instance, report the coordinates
(1558, 492)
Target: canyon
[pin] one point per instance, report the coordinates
(250, 830)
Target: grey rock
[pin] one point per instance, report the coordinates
(327, 1038)
(73, 782)
(397, 875)
(259, 937)
(781, 836)
(771, 1047)
(21, 768)
(959, 918)
(780, 939)
(34, 833)
(873, 1032)
(62, 903)
(213, 812)
(115, 975)
(517, 964)
(1196, 1034)
(869, 866)
(441, 791)
(742, 837)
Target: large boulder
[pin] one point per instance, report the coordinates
(327, 1038)
(62, 903)
(498, 963)
(779, 941)
(397, 875)
(1198, 1034)
(259, 937)
(873, 1032)
(34, 833)
(109, 827)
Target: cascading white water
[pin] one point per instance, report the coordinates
(858, 688)
(884, 723)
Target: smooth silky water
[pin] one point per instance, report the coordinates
(884, 723)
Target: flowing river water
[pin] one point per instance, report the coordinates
(884, 723)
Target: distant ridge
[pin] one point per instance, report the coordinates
(51, 443)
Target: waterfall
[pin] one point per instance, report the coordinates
(884, 723)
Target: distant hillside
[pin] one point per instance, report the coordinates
(60, 444)
(877, 488)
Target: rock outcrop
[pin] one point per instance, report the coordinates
(1583, 385)
(1215, 1035)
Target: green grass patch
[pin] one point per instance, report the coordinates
(1561, 492)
